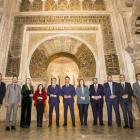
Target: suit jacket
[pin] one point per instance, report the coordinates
(56, 91)
(93, 93)
(13, 96)
(68, 91)
(120, 92)
(107, 91)
(2, 91)
(44, 96)
(136, 90)
(25, 92)
(80, 94)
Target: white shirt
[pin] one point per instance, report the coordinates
(123, 84)
(97, 89)
(67, 85)
(139, 83)
(110, 84)
(53, 85)
(82, 90)
(96, 85)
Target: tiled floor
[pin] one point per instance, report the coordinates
(88, 132)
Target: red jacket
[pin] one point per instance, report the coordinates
(44, 96)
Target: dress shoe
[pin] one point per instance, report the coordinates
(131, 127)
(49, 125)
(7, 128)
(57, 125)
(102, 124)
(13, 127)
(23, 126)
(27, 126)
(126, 126)
(40, 125)
(109, 124)
(119, 124)
(82, 123)
(94, 123)
(65, 124)
(73, 124)
(85, 123)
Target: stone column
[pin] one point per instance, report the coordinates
(31, 5)
(128, 38)
(81, 1)
(43, 5)
(56, 5)
(68, 5)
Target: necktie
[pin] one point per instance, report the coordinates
(95, 88)
(15, 87)
(123, 86)
(53, 87)
(111, 88)
(67, 86)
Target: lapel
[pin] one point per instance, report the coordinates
(113, 87)
(98, 88)
(109, 87)
(1, 85)
(122, 87)
(93, 88)
(12, 87)
(52, 88)
(138, 84)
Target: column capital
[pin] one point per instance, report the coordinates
(93, 1)
(81, 1)
(31, 1)
(43, 1)
(56, 1)
(135, 55)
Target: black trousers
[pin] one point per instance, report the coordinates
(40, 111)
(25, 114)
(83, 112)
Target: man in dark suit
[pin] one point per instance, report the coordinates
(2, 90)
(54, 91)
(124, 91)
(96, 99)
(112, 100)
(68, 92)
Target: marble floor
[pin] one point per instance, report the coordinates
(88, 132)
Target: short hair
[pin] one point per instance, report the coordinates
(94, 78)
(67, 77)
(137, 74)
(53, 78)
(109, 76)
(122, 75)
(15, 76)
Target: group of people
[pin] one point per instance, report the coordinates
(115, 93)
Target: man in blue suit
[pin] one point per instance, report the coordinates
(96, 99)
(112, 100)
(54, 91)
(68, 92)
